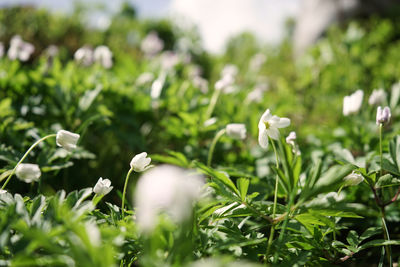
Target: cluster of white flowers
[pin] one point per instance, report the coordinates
(268, 127)
(166, 189)
(353, 102)
(228, 75)
(151, 45)
(19, 49)
(101, 54)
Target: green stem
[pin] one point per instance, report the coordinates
(212, 104)
(212, 147)
(387, 237)
(380, 146)
(25, 155)
(124, 192)
(271, 235)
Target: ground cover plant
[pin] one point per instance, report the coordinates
(132, 146)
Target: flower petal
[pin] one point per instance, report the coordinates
(263, 139)
(283, 122)
(266, 116)
(273, 133)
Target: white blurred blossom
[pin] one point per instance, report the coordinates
(353, 179)
(28, 172)
(67, 140)
(257, 61)
(268, 127)
(102, 187)
(377, 97)
(353, 102)
(103, 55)
(236, 131)
(257, 94)
(230, 70)
(210, 121)
(383, 115)
(200, 83)
(144, 78)
(166, 189)
(291, 138)
(140, 162)
(84, 56)
(19, 49)
(93, 233)
(152, 44)
(169, 60)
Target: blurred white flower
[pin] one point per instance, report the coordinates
(51, 51)
(167, 189)
(1, 49)
(3, 191)
(257, 94)
(378, 96)
(395, 95)
(93, 233)
(20, 49)
(67, 140)
(84, 56)
(383, 115)
(352, 103)
(140, 162)
(200, 83)
(102, 187)
(169, 60)
(144, 78)
(230, 70)
(152, 44)
(28, 172)
(353, 179)
(156, 88)
(236, 130)
(224, 82)
(210, 121)
(257, 61)
(103, 55)
(268, 126)
(291, 138)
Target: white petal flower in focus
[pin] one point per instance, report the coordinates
(166, 189)
(140, 162)
(352, 103)
(268, 126)
(236, 130)
(103, 55)
(28, 172)
(102, 187)
(353, 179)
(378, 96)
(383, 115)
(67, 140)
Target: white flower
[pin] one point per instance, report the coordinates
(268, 126)
(383, 115)
(144, 78)
(291, 138)
(102, 187)
(257, 61)
(224, 82)
(84, 55)
(169, 60)
(230, 70)
(67, 140)
(200, 83)
(151, 44)
(353, 179)
(257, 93)
(103, 55)
(19, 49)
(378, 96)
(352, 103)
(3, 191)
(28, 172)
(140, 162)
(236, 130)
(167, 189)
(210, 121)
(156, 88)
(93, 233)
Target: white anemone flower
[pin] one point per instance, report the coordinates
(353, 179)
(19, 49)
(67, 140)
(102, 187)
(383, 115)
(166, 189)
(352, 103)
(236, 131)
(103, 55)
(140, 162)
(378, 96)
(268, 127)
(28, 172)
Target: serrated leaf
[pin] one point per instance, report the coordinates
(243, 186)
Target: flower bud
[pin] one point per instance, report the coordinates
(236, 131)
(353, 179)
(291, 138)
(28, 172)
(140, 162)
(383, 115)
(67, 140)
(102, 187)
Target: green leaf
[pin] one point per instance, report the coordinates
(370, 232)
(379, 242)
(352, 238)
(243, 186)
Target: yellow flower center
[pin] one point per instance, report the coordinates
(266, 125)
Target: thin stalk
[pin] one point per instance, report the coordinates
(213, 102)
(387, 237)
(25, 155)
(212, 147)
(271, 235)
(380, 146)
(124, 192)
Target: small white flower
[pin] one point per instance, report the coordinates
(383, 115)
(268, 126)
(67, 140)
(169, 60)
(257, 61)
(225, 82)
(236, 130)
(291, 138)
(156, 88)
(140, 162)
(353, 179)
(210, 122)
(19, 49)
(144, 78)
(167, 189)
(84, 56)
(230, 70)
(200, 83)
(103, 55)
(378, 96)
(352, 103)
(28, 172)
(152, 44)
(93, 233)
(102, 187)
(3, 191)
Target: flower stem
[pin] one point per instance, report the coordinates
(213, 102)
(25, 155)
(212, 147)
(271, 235)
(387, 237)
(124, 192)
(380, 146)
